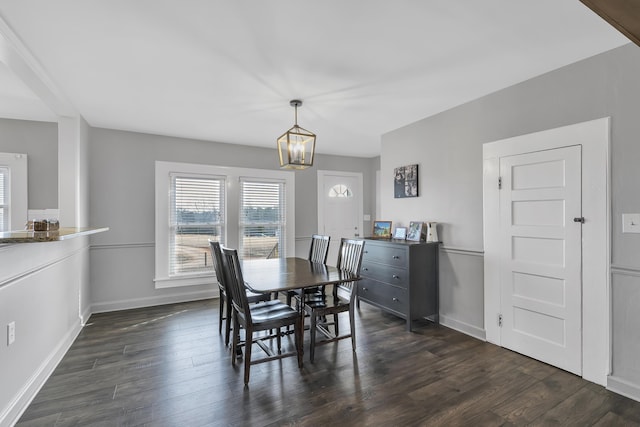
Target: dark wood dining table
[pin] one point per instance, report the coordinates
(284, 274)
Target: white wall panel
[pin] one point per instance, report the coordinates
(40, 290)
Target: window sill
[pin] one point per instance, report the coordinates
(176, 282)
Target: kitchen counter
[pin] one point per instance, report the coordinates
(63, 233)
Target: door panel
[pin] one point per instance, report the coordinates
(541, 289)
(339, 208)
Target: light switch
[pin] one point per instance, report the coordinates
(367, 217)
(631, 223)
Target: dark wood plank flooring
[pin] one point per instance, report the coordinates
(167, 366)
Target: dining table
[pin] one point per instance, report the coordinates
(273, 275)
(285, 274)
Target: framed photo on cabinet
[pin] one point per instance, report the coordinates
(400, 233)
(382, 229)
(415, 231)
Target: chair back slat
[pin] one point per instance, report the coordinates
(216, 255)
(319, 248)
(235, 282)
(349, 260)
(350, 255)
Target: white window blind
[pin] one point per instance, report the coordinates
(196, 215)
(4, 198)
(262, 218)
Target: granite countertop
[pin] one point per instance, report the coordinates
(63, 233)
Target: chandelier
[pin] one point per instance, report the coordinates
(297, 145)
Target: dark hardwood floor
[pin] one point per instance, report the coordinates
(167, 366)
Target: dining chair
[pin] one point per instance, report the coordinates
(226, 306)
(342, 298)
(263, 316)
(318, 251)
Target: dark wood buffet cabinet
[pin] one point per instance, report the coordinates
(401, 277)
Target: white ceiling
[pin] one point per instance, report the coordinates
(225, 70)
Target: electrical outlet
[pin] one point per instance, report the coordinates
(11, 333)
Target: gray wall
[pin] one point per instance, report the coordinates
(122, 167)
(39, 140)
(448, 148)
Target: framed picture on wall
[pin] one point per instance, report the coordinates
(382, 229)
(415, 231)
(405, 181)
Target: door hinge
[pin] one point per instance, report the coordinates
(499, 183)
(579, 219)
(500, 320)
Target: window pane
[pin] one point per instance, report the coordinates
(261, 241)
(197, 215)
(190, 249)
(262, 219)
(340, 190)
(4, 221)
(3, 185)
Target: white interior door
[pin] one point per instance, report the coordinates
(339, 208)
(540, 274)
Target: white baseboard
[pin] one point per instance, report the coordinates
(104, 307)
(463, 327)
(84, 316)
(623, 387)
(23, 398)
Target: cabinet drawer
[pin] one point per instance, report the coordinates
(386, 296)
(385, 273)
(386, 255)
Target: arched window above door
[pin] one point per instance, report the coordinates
(340, 190)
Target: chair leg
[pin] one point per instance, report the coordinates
(228, 323)
(299, 335)
(312, 330)
(248, 340)
(220, 317)
(352, 325)
(335, 324)
(279, 340)
(236, 338)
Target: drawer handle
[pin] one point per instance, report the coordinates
(366, 252)
(396, 257)
(365, 289)
(395, 299)
(395, 276)
(365, 269)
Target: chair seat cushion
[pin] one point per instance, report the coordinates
(272, 310)
(325, 302)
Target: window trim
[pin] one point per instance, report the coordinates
(232, 175)
(17, 193)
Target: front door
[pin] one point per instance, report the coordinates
(339, 208)
(540, 273)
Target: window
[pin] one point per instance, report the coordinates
(340, 190)
(262, 218)
(197, 215)
(13, 191)
(243, 208)
(4, 198)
